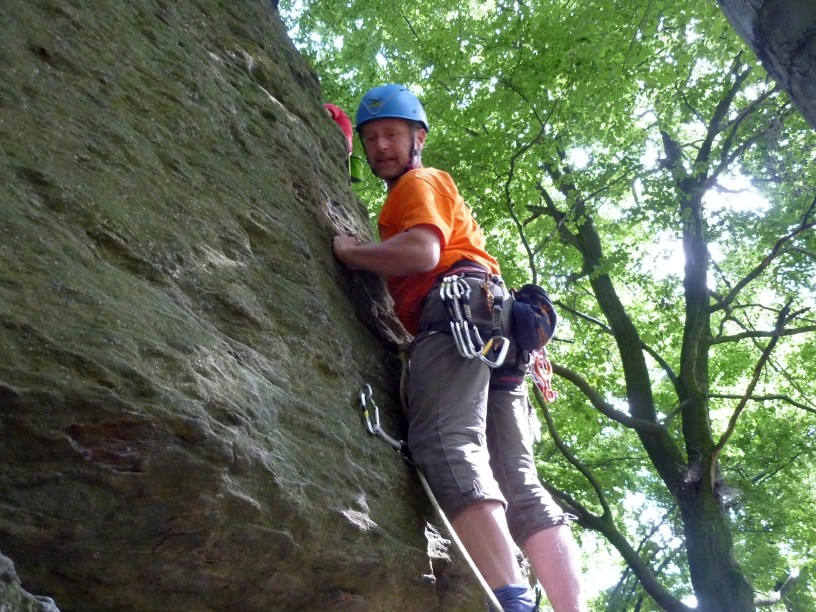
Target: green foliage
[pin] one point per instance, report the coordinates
(630, 122)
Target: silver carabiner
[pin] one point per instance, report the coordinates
(495, 363)
(464, 288)
(366, 396)
(475, 330)
(374, 429)
(458, 341)
(443, 286)
(449, 289)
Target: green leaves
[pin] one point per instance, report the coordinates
(600, 144)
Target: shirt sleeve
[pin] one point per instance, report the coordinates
(421, 203)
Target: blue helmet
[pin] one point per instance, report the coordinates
(390, 102)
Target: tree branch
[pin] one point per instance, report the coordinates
(777, 397)
(571, 458)
(617, 592)
(805, 252)
(776, 251)
(594, 397)
(580, 315)
(559, 217)
(766, 354)
(605, 524)
(606, 329)
(763, 334)
(727, 155)
(780, 592)
(715, 126)
(516, 155)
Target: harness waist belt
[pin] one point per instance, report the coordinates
(466, 268)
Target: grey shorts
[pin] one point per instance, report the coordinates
(472, 442)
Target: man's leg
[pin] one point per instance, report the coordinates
(448, 397)
(482, 528)
(534, 520)
(554, 557)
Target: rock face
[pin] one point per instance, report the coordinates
(783, 35)
(180, 354)
(14, 598)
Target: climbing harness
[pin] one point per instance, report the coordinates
(372, 426)
(541, 373)
(455, 292)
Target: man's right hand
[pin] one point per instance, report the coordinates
(342, 247)
(413, 251)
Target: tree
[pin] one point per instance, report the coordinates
(596, 143)
(781, 37)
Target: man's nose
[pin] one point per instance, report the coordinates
(380, 143)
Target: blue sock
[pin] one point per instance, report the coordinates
(515, 598)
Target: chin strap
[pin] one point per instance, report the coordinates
(414, 163)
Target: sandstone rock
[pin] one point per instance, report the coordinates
(180, 354)
(12, 595)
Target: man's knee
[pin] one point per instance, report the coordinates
(541, 512)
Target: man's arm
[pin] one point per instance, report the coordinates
(413, 251)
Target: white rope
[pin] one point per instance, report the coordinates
(374, 429)
(494, 602)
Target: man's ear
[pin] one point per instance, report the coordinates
(420, 138)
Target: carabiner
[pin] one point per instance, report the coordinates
(366, 396)
(458, 341)
(495, 363)
(375, 429)
(464, 288)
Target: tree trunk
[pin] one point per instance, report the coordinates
(718, 581)
(719, 584)
(782, 34)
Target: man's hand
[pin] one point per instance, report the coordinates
(342, 247)
(414, 251)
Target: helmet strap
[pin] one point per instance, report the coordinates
(416, 158)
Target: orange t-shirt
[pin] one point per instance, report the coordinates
(426, 196)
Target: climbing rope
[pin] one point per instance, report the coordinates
(372, 426)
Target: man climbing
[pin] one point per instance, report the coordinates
(469, 428)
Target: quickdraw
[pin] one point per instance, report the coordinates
(374, 429)
(542, 373)
(455, 292)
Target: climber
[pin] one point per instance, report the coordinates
(469, 429)
(344, 123)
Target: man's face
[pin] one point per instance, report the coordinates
(388, 144)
